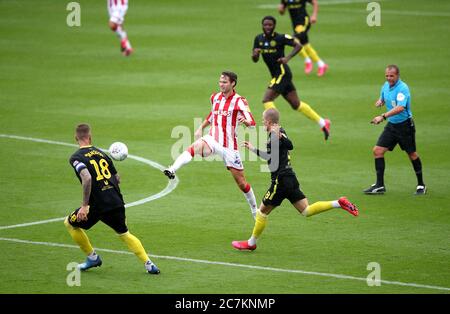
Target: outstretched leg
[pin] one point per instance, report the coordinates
(125, 45)
(245, 187)
(304, 108)
(199, 147)
(260, 225)
(318, 207)
(268, 100)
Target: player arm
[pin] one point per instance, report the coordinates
(199, 132)
(297, 47)
(282, 7)
(256, 50)
(264, 155)
(380, 101)
(394, 111)
(315, 5)
(86, 183)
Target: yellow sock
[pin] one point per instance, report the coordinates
(311, 52)
(80, 237)
(269, 104)
(308, 112)
(317, 208)
(134, 245)
(260, 224)
(303, 53)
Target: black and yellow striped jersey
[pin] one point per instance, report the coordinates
(272, 48)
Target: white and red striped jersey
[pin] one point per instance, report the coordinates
(224, 116)
(117, 3)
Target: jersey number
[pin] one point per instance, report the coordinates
(102, 171)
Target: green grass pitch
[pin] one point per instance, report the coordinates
(53, 77)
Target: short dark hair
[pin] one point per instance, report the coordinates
(231, 75)
(269, 17)
(82, 131)
(393, 66)
(272, 115)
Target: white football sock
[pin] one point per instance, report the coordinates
(320, 63)
(183, 159)
(308, 60)
(252, 241)
(251, 200)
(335, 204)
(121, 33)
(93, 256)
(321, 122)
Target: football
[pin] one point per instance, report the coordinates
(118, 151)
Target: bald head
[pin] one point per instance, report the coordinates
(272, 116)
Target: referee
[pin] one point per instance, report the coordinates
(399, 129)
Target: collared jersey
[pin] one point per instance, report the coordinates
(105, 192)
(224, 118)
(397, 95)
(272, 48)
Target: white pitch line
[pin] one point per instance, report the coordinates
(273, 269)
(169, 188)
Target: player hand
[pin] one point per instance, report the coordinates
(377, 120)
(379, 103)
(243, 121)
(281, 9)
(82, 213)
(256, 52)
(198, 134)
(283, 60)
(248, 145)
(313, 19)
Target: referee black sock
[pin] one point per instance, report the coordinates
(379, 167)
(417, 164)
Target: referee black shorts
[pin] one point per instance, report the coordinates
(403, 133)
(284, 187)
(115, 218)
(282, 84)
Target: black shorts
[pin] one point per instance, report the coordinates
(403, 133)
(301, 30)
(284, 187)
(282, 85)
(115, 218)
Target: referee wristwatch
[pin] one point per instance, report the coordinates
(384, 116)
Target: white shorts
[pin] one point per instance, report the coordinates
(117, 12)
(230, 157)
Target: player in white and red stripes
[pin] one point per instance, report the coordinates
(228, 110)
(117, 10)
